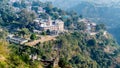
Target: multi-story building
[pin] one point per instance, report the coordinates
(48, 24)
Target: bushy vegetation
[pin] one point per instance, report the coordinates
(77, 48)
(11, 56)
(33, 37)
(75, 51)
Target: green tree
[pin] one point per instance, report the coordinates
(62, 63)
(33, 37)
(16, 4)
(55, 15)
(61, 12)
(43, 33)
(49, 8)
(81, 26)
(48, 32)
(68, 22)
(100, 27)
(81, 16)
(26, 17)
(91, 42)
(23, 32)
(44, 15)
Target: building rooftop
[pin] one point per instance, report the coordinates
(18, 38)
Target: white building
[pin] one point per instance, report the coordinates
(48, 24)
(84, 20)
(37, 31)
(41, 10)
(1, 29)
(90, 26)
(33, 57)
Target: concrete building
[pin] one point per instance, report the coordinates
(41, 10)
(33, 57)
(16, 40)
(37, 31)
(91, 26)
(48, 24)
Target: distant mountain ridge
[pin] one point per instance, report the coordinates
(70, 3)
(101, 11)
(101, 14)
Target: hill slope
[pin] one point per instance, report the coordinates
(102, 11)
(75, 48)
(107, 15)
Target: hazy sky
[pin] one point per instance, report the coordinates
(105, 1)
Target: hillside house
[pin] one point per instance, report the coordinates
(90, 26)
(16, 39)
(48, 24)
(37, 31)
(41, 10)
(33, 57)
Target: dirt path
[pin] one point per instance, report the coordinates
(43, 39)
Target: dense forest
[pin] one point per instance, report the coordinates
(74, 49)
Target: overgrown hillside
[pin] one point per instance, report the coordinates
(82, 45)
(10, 59)
(77, 50)
(101, 14)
